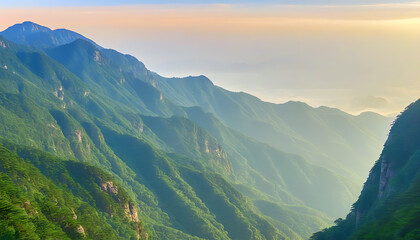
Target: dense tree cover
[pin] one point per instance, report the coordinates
(328, 137)
(42, 196)
(187, 172)
(388, 207)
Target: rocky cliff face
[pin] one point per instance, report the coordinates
(392, 176)
(129, 207)
(386, 174)
(131, 211)
(214, 150)
(109, 188)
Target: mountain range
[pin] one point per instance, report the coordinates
(95, 145)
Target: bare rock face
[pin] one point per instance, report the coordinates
(97, 56)
(59, 93)
(81, 230)
(109, 188)
(131, 212)
(78, 134)
(386, 174)
(3, 44)
(214, 150)
(206, 143)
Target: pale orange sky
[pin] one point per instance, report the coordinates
(352, 57)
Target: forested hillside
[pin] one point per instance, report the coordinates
(45, 197)
(389, 206)
(194, 160)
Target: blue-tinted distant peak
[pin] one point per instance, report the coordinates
(32, 27)
(34, 35)
(26, 28)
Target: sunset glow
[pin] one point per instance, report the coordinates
(286, 47)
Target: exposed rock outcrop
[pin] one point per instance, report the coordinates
(131, 212)
(109, 188)
(97, 56)
(3, 44)
(59, 93)
(78, 134)
(81, 230)
(74, 214)
(386, 174)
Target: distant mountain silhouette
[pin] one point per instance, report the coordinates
(34, 35)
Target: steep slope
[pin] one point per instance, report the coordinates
(286, 178)
(274, 184)
(182, 134)
(322, 135)
(274, 124)
(180, 196)
(82, 102)
(102, 74)
(325, 136)
(44, 197)
(95, 69)
(388, 207)
(48, 97)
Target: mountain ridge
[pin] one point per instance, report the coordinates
(387, 207)
(77, 124)
(94, 103)
(32, 34)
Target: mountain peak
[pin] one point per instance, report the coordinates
(34, 35)
(27, 27)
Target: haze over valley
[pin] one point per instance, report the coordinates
(233, 120)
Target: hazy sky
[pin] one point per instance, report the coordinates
(354, 57)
